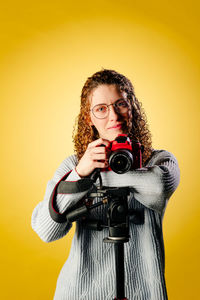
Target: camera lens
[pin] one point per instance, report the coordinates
(121, 161)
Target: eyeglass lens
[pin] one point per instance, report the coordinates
(100, 111)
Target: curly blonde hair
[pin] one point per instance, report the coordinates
(137, 127)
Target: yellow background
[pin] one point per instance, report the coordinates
(47, 52)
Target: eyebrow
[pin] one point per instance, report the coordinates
(113, 102)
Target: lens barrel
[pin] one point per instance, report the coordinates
(120, 161)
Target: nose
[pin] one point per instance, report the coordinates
(113, 115)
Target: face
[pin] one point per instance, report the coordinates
(115, 123)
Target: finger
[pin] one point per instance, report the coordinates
(99, 150)
(105, 142)
(99, 156)
(100, 164)
(99, 142)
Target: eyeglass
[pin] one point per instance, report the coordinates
(101, 111)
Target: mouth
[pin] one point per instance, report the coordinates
(118, 126)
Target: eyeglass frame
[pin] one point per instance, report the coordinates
(110, 105)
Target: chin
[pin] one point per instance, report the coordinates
(113, 136)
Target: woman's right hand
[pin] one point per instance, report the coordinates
(94, 157)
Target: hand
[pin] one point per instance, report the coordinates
(94, 157)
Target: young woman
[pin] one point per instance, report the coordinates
(109, 107)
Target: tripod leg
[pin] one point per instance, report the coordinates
(119, 264)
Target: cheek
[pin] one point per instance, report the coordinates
(127, 116)
(99, 124)
(92, 119)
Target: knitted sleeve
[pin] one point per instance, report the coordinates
(42, 223)
(153, 184)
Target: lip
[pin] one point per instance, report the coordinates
(117, 126)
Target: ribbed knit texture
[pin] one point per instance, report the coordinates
(89, 272)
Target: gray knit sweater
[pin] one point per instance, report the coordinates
(89, 272)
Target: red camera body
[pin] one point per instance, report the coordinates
(124, 155)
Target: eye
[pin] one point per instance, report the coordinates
(122, 103)
(100, 108)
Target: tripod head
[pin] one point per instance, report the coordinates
(117, 215)
(116, 201)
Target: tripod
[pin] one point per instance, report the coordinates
(117, 223)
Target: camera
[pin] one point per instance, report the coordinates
(124, 155)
